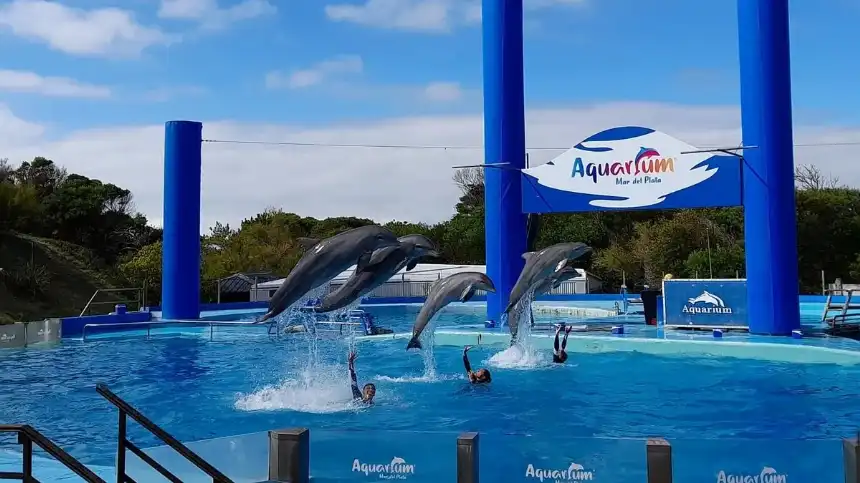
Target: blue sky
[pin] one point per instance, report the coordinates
(577, 52)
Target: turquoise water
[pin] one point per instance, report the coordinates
(721, 413)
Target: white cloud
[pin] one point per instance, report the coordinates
(240, 180)
(32, 83)
(210, 14)
(433, 16)
(17, 132)
(97, 32)
(317, 74)
(443, 91)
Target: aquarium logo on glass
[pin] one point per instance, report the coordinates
(397, 469)
(767, 475)
(707, 303)
(574, 472)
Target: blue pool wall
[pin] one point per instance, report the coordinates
(72, 327)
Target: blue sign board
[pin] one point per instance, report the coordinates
(705, 303)
(632, 168)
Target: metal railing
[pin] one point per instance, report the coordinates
(211, 324)
(126, 410)
(139, 300)
(27, 436)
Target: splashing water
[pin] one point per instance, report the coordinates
(317, 388)
(323, 389)
(522, 354)
(427, 352)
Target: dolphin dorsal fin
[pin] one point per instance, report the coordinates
(306, 242)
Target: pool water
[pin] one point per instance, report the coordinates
(245, 382)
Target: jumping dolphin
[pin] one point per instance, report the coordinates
(383, 265)
(545, 286)
(540, 266)
(460, 286)
(325, 259)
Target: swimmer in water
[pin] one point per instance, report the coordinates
(478, 377)
(367, 393)
(560, 355)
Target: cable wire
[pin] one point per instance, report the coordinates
(446, 148)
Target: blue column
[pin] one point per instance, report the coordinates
(180, 275)
(504, 142)
(770, 225)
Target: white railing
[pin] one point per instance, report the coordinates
(411, 288)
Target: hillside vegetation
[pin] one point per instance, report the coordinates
(62, 236)
(46, 278)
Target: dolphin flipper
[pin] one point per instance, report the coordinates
(307, 243)
(412, 264)
(528, 255)
(467, 294)
(363, 261)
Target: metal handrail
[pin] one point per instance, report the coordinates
(27, 435)
(149, 325)
(140, 291)
(126, 409)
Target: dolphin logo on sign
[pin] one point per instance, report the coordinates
(707, 298)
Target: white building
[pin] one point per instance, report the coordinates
(416, 282)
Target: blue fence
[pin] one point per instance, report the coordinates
(705, 303)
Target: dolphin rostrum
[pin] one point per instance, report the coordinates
(551, 262)
(325, 259)
(384, 263)
(460, 286)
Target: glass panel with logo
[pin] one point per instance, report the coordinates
(537, 459)
(408, 456)
(757, 461)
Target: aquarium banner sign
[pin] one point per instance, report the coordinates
(705, 303)
(632, 168)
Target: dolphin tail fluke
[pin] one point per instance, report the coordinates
(414, 343)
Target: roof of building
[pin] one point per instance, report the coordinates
(423, 272)
(242, 282)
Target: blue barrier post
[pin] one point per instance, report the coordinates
(504, 142)
(770, 226)
(180, 276)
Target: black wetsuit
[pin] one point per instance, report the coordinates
(557, 354)
(356, 392)
(472, 378)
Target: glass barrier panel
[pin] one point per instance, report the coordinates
(243, 459)
(557, 459)
(757, 461)
(409, 456)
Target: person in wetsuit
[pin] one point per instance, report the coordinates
(559, 355)
(367, 393)
(477, 377)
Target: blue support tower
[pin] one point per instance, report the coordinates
(770, 223)
(180, 275)
(504, 142)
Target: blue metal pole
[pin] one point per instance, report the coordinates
(180, 276)
(504, 142)
(770, 225)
